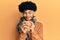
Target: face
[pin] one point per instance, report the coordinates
(28, 14)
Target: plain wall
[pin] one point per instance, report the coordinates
(48, 13)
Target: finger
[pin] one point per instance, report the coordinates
(24, 30)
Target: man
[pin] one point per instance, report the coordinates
(28, 9)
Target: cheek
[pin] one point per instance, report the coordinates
(31, 15)
(24, 15)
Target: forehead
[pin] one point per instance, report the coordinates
(28, 11)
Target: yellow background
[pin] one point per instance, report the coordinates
(48, 14)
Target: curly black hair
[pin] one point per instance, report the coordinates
(28, 5)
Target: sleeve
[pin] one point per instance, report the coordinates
(40, 31)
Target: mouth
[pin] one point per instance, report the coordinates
(28, 17)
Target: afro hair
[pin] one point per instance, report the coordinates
(28, 5)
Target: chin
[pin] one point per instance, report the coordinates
(28, 19)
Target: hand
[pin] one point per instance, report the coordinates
(26, 26)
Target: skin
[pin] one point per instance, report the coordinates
(28, 14)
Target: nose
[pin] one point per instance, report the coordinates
(27, 14)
